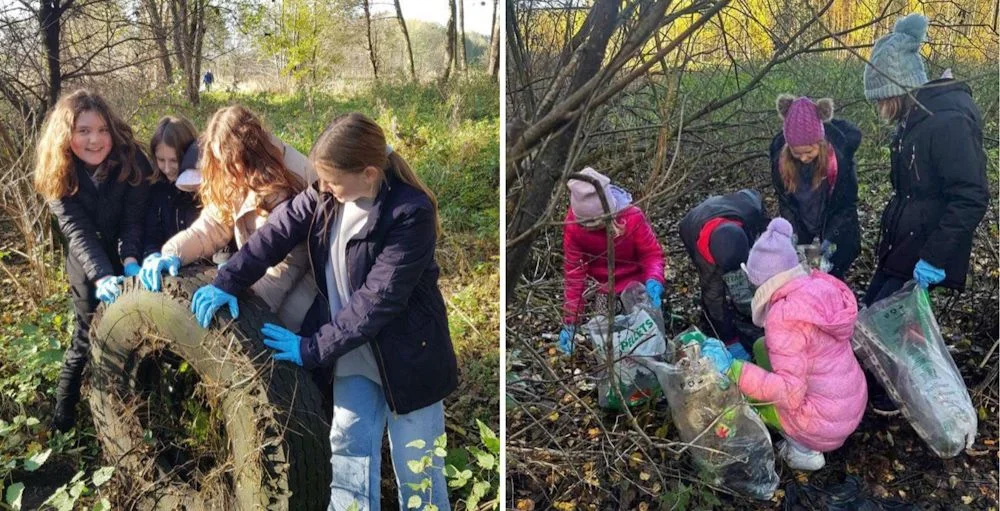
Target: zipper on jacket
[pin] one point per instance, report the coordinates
(913, 162)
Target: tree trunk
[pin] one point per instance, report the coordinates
(450, 46)
(494, 64)
(189, 33)
(461, 36)
(406, 37)
(371, 44)
(160, 37)
(548, 167)
(49, 21)
(199, 42)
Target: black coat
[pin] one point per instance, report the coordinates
(102, 223)
(940, 190)
(395, 306)
(840, 223)
(745, 206)
(169, 211)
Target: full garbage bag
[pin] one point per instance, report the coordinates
(633, 338)
(728, 441)
(898, 339)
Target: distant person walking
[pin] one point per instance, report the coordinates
(208, 79)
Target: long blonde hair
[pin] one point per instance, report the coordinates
(55, 171)
(175, 132)
(238, 157)
(789, 167)
(353, 142)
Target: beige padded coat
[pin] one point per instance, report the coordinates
(288, 288)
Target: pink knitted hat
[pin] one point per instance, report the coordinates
(804, 119)
(773, 253)
(583, 199)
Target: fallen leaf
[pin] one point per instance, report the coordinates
(525, 505)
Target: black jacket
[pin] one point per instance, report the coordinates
(169, 211)
(940, 190)
(840, 214)
(102, 223)
(395, 306)
(745, 206)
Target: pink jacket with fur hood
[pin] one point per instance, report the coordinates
(816, 383)
(638, 257)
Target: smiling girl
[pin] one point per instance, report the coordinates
(171, 209)
(95, 178)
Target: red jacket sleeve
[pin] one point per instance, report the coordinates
(647, 247)
(574, 273)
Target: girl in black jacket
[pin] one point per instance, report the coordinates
(96, 181)
(937, 169)
(812, 168)
(171, 209)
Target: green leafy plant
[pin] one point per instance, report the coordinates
(473, 473)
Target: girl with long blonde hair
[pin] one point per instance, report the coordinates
(379, 322)
(245, 173)
(95, 178)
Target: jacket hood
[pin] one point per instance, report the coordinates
(822, 300)
(940, 96)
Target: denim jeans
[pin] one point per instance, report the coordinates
(360, 416)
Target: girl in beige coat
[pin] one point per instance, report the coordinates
(245, 173)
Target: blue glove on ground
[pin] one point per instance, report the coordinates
(153, 265)
(285, 341)
(107, 289)
(655, 291)
(207, 299)
(738, 351)
(926, 274)
(566, 339)
(714, 350)
(132, 269)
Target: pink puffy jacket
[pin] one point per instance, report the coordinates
(816, 383)
(638, 257)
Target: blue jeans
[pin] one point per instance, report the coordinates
(360, 416)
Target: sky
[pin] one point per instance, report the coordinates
(478, 13)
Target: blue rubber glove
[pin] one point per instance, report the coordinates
(107, 289)
(738, 351)
(566, 343)
(926, 274)
(132, 269)
(285, 341)
(824, 249)
(153, 265)
(714, 350)
(207, 299)
(655, 291)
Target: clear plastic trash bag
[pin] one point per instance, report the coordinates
(728, 441)
(635, 337)
(899, 341)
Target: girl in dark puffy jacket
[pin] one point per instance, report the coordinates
(171, 209)
(812, 168)
(95, 178)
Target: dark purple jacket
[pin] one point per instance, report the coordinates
(395, 304)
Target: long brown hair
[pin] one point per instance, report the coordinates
(55, 174)
(790, 167)
(238, 157)
(175, 132)
(353, 142)
(895, 108)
